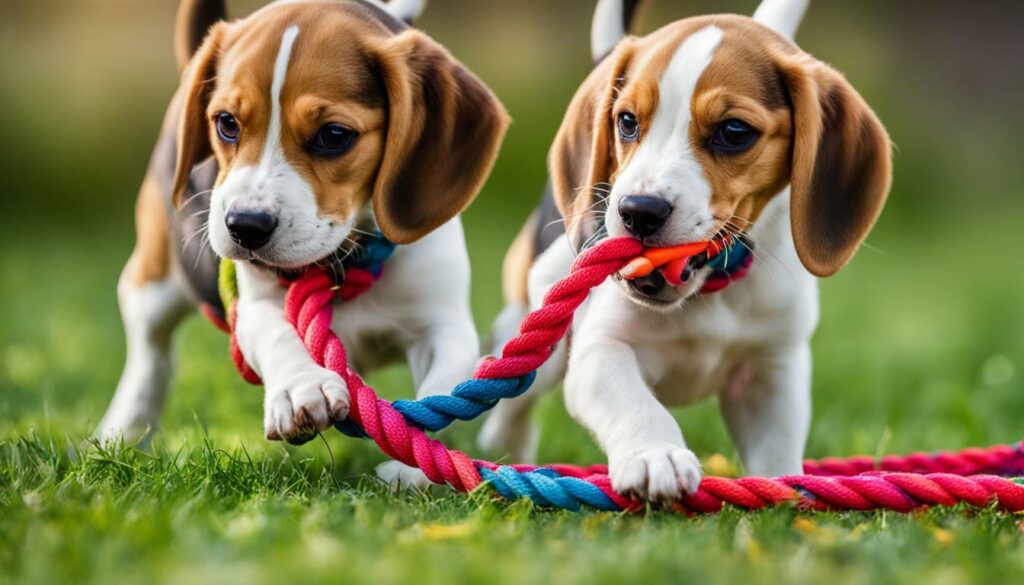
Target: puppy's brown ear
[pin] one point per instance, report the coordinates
(842, 165)
(582, 158)
(444, 130)
(194, 129)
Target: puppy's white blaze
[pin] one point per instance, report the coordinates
(664, 164)
(782, 16)
(272, 147)
(671, 123)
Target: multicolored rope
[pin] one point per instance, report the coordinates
(398, 428)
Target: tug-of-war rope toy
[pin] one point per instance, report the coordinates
(979, 477)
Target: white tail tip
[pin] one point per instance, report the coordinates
(782, 16)
(405, 10)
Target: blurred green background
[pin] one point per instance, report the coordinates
(921, 344)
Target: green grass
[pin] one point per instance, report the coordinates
(205, 514)
(920, 348)
(921, 344)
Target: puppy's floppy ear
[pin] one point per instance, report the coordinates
(842, 167)
(582, 158)
(194, 129)
(444, 130)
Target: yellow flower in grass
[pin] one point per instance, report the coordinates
(446, 531)
(943, 537)
(805, 525)
(719, 465)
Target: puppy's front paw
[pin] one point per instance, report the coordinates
(662, 473)
(400, 475)
(298, 409)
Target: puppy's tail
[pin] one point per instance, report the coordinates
(612, 20)
(195, 17)
(406, 10)
(782, 16)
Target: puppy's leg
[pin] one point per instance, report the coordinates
(444, 356)
(152, 303)
(440, 359)
(605, 392)
(300, 397)
(767, 407)
(150, 312)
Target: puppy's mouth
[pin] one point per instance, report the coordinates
(673, 281)
(654, 291)
(651, 290)
(294, 268)
(288, 252)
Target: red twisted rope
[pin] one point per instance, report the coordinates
(852, 484)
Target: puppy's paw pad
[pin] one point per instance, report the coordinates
(399, 475)
(664, 473)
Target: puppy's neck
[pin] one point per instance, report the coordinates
(772, 232)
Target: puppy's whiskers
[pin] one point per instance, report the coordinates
(591, 212)
(363, 232)
(199, 213)
(194, 195)
(600, 234)
(203, 231)
(204, 242)
(737, 234)
(581, 215)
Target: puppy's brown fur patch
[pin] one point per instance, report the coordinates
(151, 258)
(516, 267)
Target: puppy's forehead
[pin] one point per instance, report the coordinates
(329, 54)
(739, 55)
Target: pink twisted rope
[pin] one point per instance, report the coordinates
(853, 484)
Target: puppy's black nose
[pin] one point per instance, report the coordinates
(250, 229)
(643, 214)
(649, 285)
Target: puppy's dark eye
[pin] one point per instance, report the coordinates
(629, 126)
(333, 140)
(227, 128)
(733, 136)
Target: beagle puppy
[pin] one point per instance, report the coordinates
(712, 125)
(295, 131)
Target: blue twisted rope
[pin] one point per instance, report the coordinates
(545, 487)
(467, 401)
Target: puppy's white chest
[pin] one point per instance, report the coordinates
(690, 354)
(685, 371)
(372, 328)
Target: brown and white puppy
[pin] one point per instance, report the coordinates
(293, 131)
(711, 124)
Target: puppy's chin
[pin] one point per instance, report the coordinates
(667, 298)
